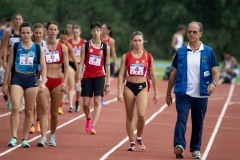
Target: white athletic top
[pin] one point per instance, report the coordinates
(193, 72)
(179, 42)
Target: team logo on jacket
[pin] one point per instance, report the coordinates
(204, 59)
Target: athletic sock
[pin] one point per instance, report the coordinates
(139, 138)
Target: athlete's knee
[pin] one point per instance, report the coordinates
(130, 117)
(15, 110)
(97, 103)
(141, 118)
(54, 115)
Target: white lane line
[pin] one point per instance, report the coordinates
(3, 115)
(210, 143)
(106, 155)
(61, 126)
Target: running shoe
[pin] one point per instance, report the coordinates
(52, 141)
(60, 111)
(179, 151)
(38, 127)
(25, 144)
(132, 146)
(13, 142)
(9, 105)
(42, 142)
(93, 131)
(32, 129)
(88, 125)
(140, 145)
(70, 110)
(77, 108)
(196, 155)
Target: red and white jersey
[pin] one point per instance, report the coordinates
(107, 41)
(77, 47)
(94, 62)
(137, 66)
(54, 56)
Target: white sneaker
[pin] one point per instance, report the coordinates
(52, 141)
(196, 155)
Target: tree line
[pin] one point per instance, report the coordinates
(157, 19)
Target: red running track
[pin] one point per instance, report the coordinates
(111, 139)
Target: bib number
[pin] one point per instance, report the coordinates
(95, 60)
(136, 69)
(26, 60)
(77, 52)
(52, 57)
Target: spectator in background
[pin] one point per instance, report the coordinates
(194, 76)
(229, 70)
(69, 28)
(178, 39)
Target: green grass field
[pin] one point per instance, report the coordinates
(160, 67)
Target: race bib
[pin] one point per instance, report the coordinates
(13, 40)
(25, 59)
(136, 69)
(95, 60)
(52, 57)
(77, 52)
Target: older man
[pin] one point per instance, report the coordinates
(194, 76)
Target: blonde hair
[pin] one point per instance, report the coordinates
(136, 33)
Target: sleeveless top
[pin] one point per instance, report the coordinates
(26, 59)
(54, 56)
(137, 66)
(94, 62)
(77, 47)
(13, 38)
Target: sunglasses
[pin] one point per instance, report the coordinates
(194, 32)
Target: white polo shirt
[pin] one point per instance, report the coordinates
(193, 72)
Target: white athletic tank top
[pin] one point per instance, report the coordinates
(179, 42)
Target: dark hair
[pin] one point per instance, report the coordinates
(109, 28)
(52, 22)
(63, 32)
(199, 24)
(96, 25)
(227, 52)
(26, 24)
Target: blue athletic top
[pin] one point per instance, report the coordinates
(26, 59)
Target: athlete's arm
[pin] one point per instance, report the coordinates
(173, 43)
(66, 66)
(154, 81)
(43, 69)
(5, 42)
(79, 74)
(71, 53)
(120, 79)
(107, 66)
(7, 72)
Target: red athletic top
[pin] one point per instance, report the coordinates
(94, 62)
(108, 41)
(77, 47)
(137, 66)
(54, 56)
